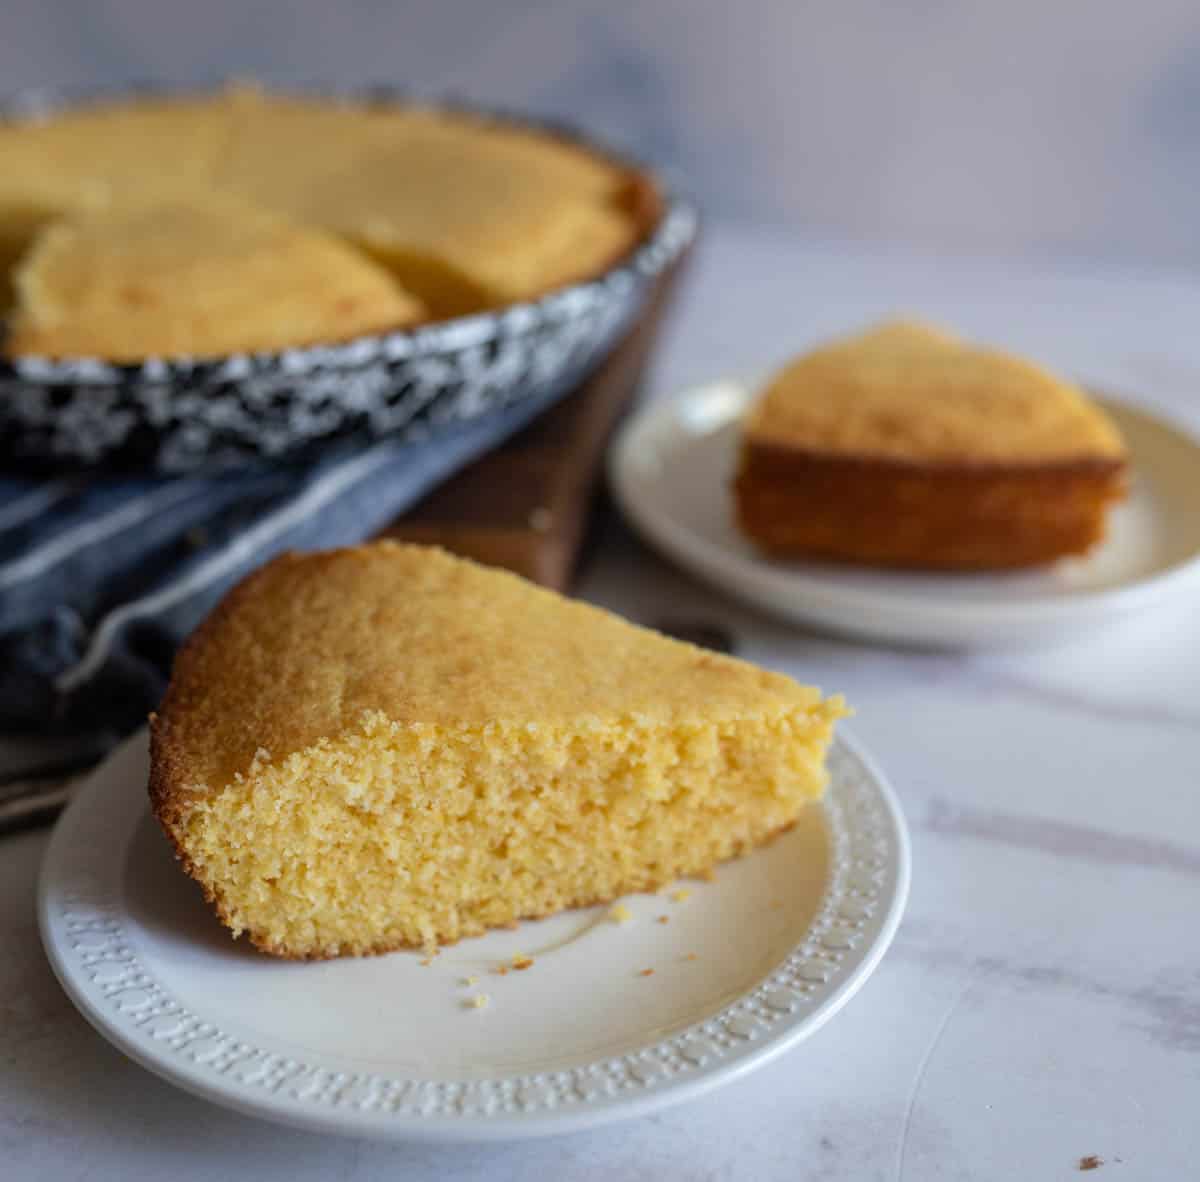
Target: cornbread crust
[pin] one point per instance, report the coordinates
(197, 273)
(495, 707)
(903, 447)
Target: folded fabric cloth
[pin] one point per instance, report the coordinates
(101, 578)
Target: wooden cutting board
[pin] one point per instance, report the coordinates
(526, 505)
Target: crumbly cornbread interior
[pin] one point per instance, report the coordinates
(465, 213)
(908, 391)
(388, 746)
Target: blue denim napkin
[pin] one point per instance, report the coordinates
(101, 578)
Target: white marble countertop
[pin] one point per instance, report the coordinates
(1042, 1000)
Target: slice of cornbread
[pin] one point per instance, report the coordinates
(387, 746)
(904, 446)
(200, 275)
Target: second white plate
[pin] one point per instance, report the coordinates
(611, 1020)
(672, 466)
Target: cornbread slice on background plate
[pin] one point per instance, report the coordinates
(905, 446)
(200, 274)
(387, 746)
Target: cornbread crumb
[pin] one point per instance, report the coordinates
(521, 963)
(662, 919)
(420, 711)
(426, 962)
(681, 895)
(478, 1002)
(646, 973)
(1091, 1162)
(690, 956)
(469, 981)
(501, 970)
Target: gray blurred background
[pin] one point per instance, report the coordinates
(1031, 127)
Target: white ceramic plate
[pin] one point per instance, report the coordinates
(671, 469)
(389, 1046)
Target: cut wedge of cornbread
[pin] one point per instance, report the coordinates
(468, 213)
(195, 275)
(905, 446)
(387, 746)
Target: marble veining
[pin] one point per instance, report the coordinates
(1059, 838)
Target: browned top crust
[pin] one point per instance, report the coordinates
(910, 394)
(312, 644)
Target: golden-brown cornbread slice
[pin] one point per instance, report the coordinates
(388, 746)
(194, 275)
(905, 446)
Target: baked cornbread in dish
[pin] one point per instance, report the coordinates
(907, 447)
(469, 214)
(386, 746)
(196, 273)
(466, 213)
